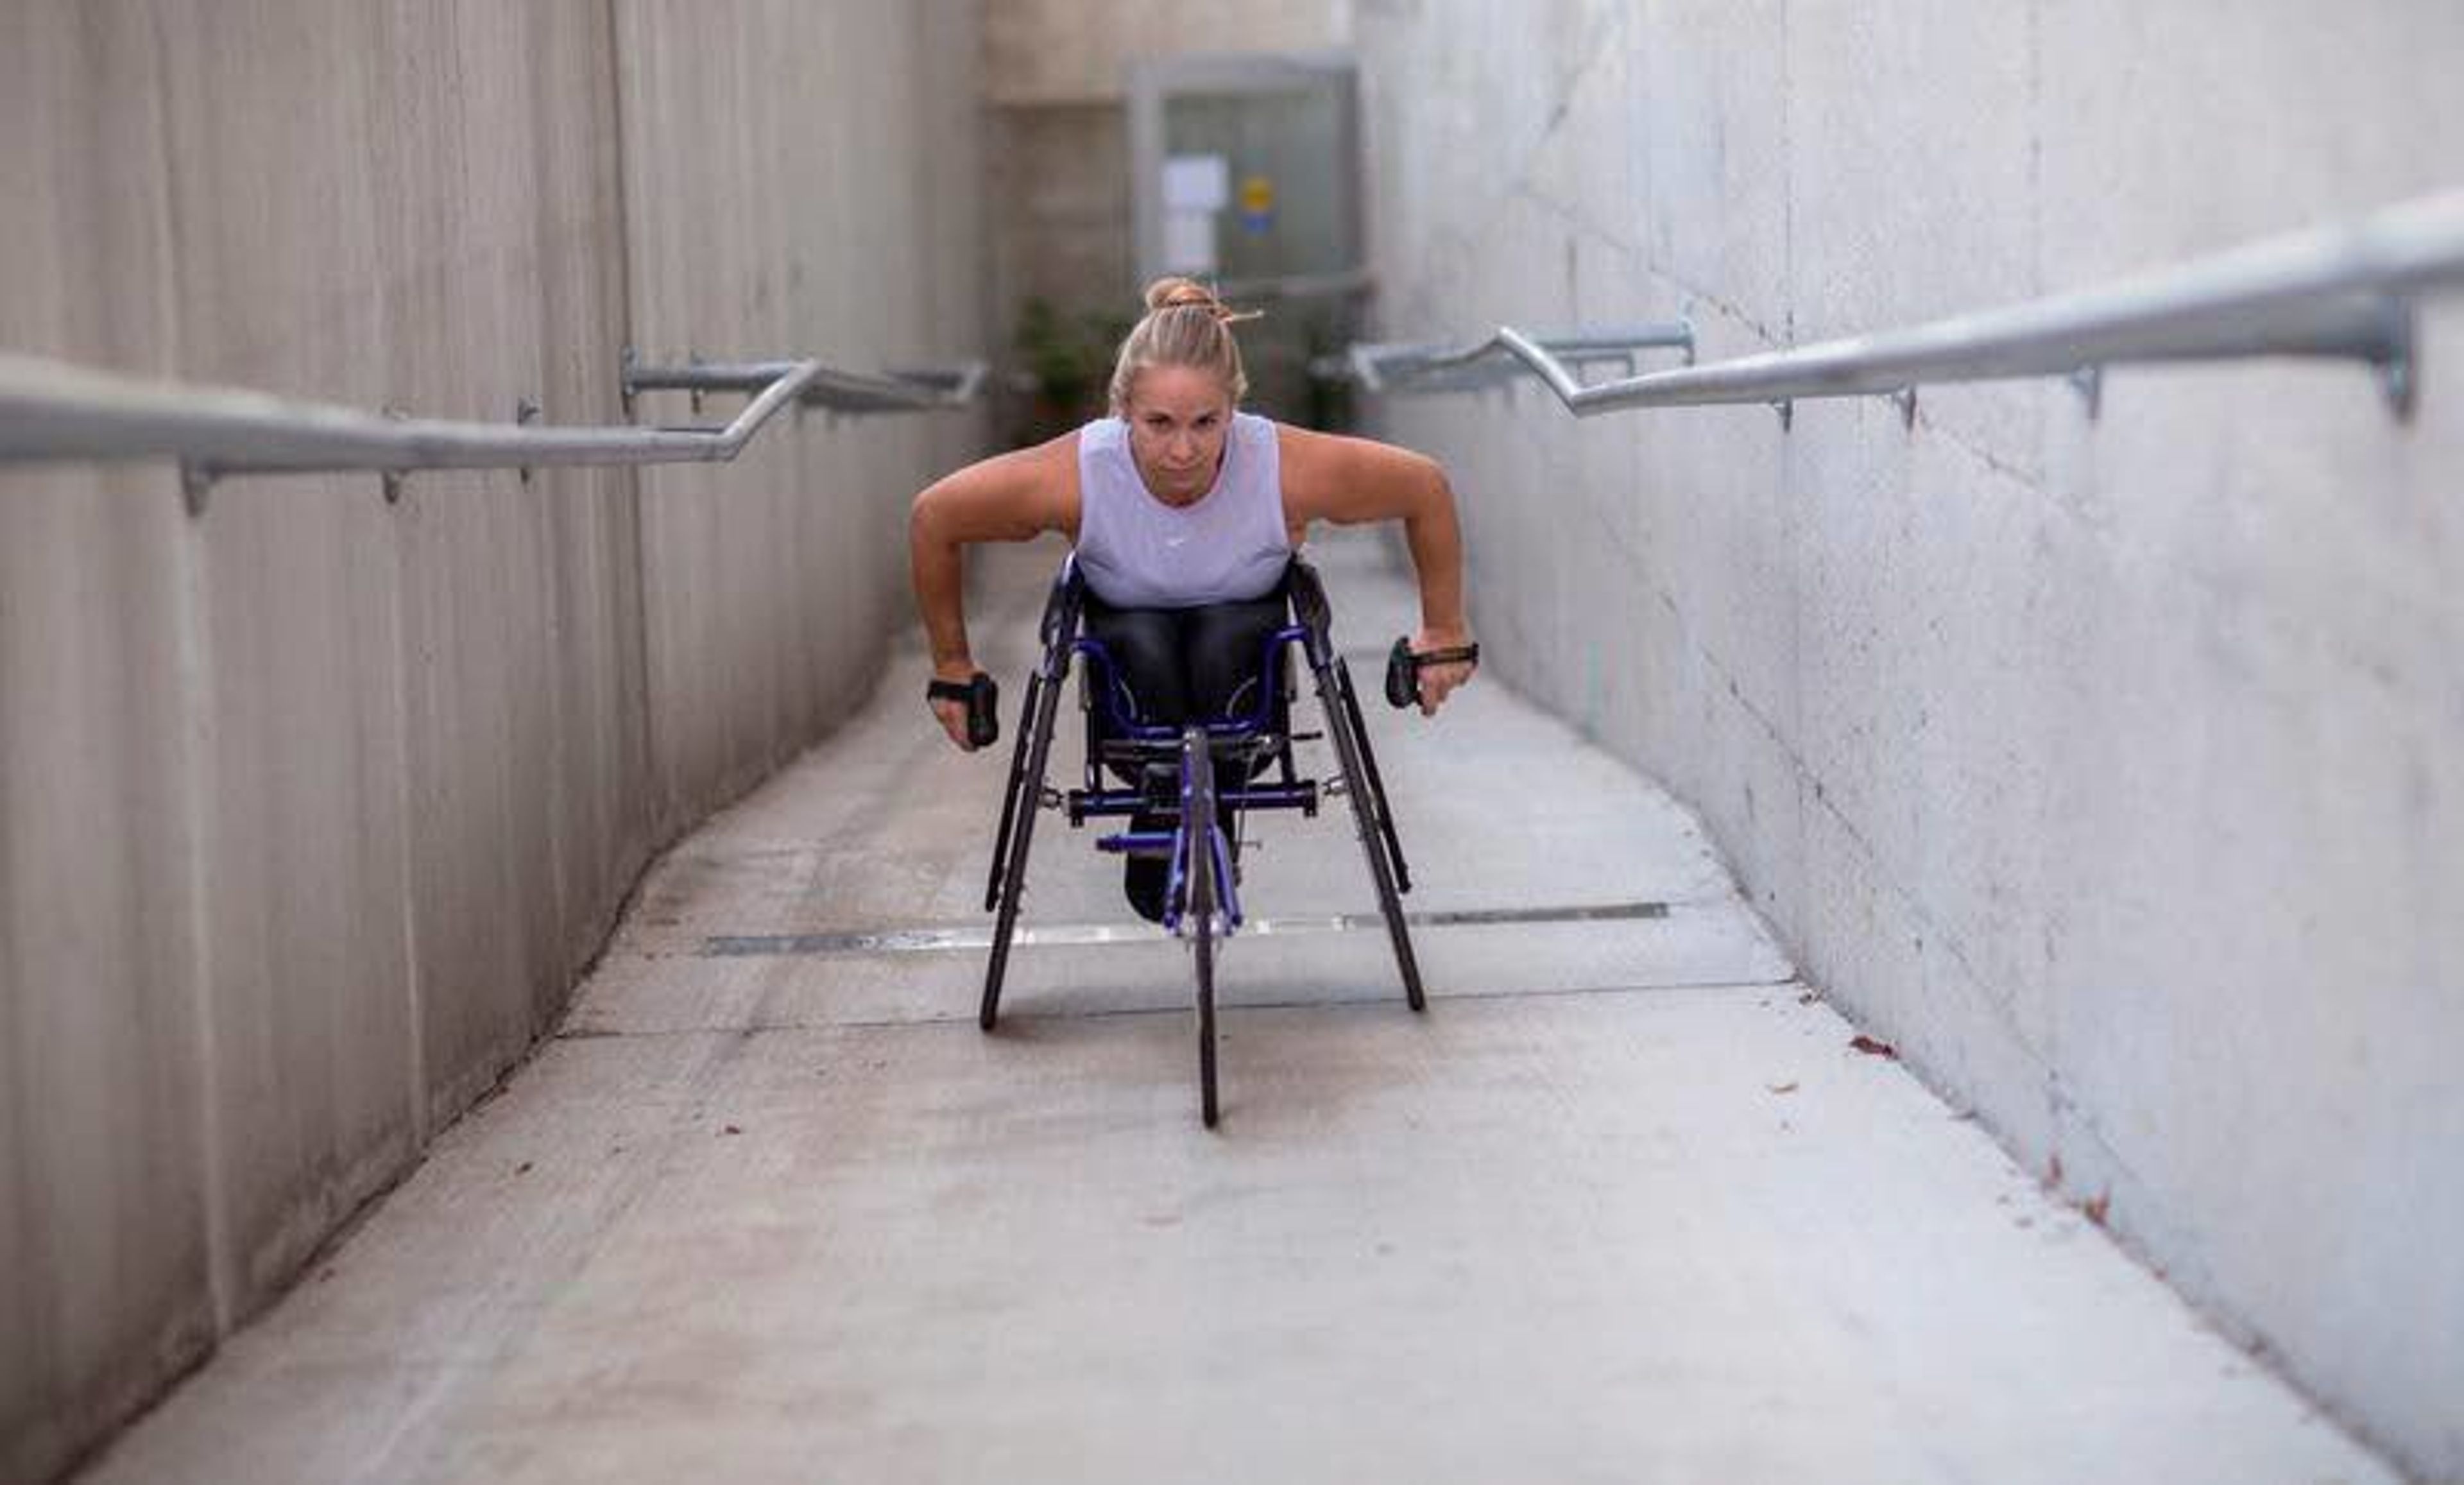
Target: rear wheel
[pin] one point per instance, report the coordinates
(1367, 793)
(1035, 684)
(1025, 803)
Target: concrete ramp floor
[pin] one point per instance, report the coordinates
(1624, 1206)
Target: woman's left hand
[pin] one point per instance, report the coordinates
(1438, 681)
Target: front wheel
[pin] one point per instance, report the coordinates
(1198, 854)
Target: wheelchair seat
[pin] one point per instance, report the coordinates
(1252, 736)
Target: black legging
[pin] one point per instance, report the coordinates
(1184, 665)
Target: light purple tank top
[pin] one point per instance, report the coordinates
(1137, 552)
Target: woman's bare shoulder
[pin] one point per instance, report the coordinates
(1014, 495)
(1045, 459)
(1315, 450)
(1340, 478)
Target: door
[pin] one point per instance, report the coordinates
(1246, 175)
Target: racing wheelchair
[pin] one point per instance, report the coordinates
(1201, 779)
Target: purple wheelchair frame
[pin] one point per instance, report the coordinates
(1115, 736)
(1201, 891)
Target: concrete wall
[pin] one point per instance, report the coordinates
(311, 811)
(2115, 769)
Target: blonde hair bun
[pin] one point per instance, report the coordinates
(1170, 337)
(1178, 293)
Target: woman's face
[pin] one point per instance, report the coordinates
(1179, 417)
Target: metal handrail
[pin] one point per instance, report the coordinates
(2335, 292)
(52, 410)
(1431, 366)
(921, 390)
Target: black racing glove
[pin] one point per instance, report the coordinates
(1403, 670)
(983, 696)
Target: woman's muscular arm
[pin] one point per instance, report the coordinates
(1351, 481)
(1009, 497)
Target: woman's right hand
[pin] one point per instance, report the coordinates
(952, 714)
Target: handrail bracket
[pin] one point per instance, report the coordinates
(2398, 361)
(196, 488)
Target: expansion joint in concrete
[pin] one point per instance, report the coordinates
(967, 1018)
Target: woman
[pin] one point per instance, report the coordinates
(1185, 513)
